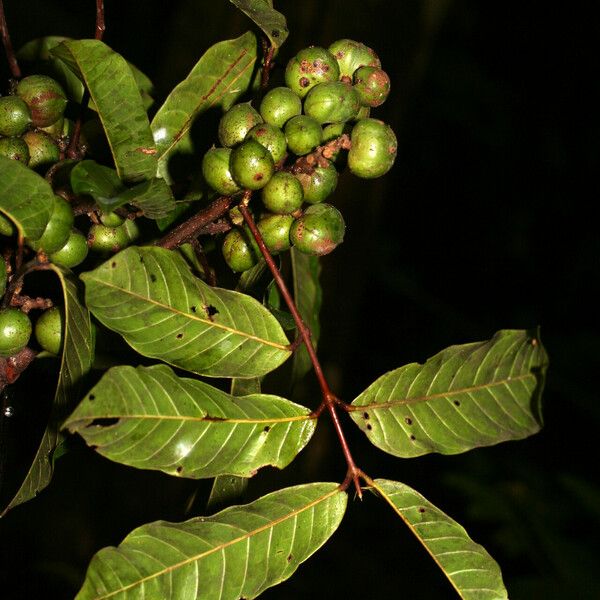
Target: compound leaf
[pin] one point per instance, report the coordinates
(115, 93)
(150, 297)
(218, 79)
(466, 396)
(272, 22)
(149, 418)
(76, 361)
(237, 553)
(473, 573)
(26, 198)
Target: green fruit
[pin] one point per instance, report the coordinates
(57, 230)
(43, 150)
(319, 184)
(283, 194)
(111, 219)
(56, 129)
(374, 149)
(363, 113)
(275, 230)
(215, 169)
(15, 331)
(15, 149)
(319, 230)
(303, 134)
(279, 105)
(236, 123)
(251, 165)
(238, 253)
(3, 276)
(6, 226)
(105, 240)
(131, 229)
(332, 102)
(44, 97)
(49, 329)
(351, 55)
(15, 117)
(72, 253)
(272, 138)
(309, 67)
(372, 85)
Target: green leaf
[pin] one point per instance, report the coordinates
(100, 182)
(151, 298)
(308, 295)
(26, 198)
(272, 22)
(237, 553)
(464, 397)
(473, 573)
(115, 93)
(218, 79)
(76, 361)
(149, 418)
(153, 197)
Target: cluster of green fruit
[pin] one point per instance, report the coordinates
(328, 93)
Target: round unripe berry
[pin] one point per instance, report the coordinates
(73, 252)
(374, 149)
(275, 230)
(15, 149)
(15, 117)
(131, 229)
(215, 169)
(279, 105)
(372, 85)
(319, 184)
(111, 219)
(43, 150)
(283, 194)
(303, 134)
(251, 165)
(332, 102)
(15, 331)
(238, 253)
(49, 329)
(272, 138)
(44, 97)
(319, 230)
(351, 55)
(309, 67)
(236, 123)
(105, 240)
(58, 228)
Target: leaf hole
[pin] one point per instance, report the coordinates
(113, 264)
(369, 426)
(193, 309)
(211, 311)
(289, 558)
(408, 420)
(152, 277)
(275, 33)
(179, 336)
(365, 415)
(179, 469)
(267, 429)
(106, 422)
(91, 397)
(413, 438)
(457, 403)
(421, 509)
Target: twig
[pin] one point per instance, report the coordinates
(13, 65)
(321, 156)
(268, 52)
(100, 25)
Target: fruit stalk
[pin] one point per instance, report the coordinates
(13, 65)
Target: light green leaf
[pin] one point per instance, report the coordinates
(237, 553)
(153, 197)
(150, 297)
(473, 573)
(26, 198)
(218, 79)
(115, 93)
(149, 418)
(272, 22)
(464, 397)
(76, 361)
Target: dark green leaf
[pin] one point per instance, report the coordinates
(267, 18)
(115, 93)
(218, 79)
(151, 298)
(473, 573)
(237, 553)
(100, 182)
(76, 361)
(26, 198)
(153, 197)
(464, 397)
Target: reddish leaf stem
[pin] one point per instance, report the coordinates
(13, 65)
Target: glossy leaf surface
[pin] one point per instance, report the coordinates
(237, 553)
(149, 418)
(464, 397)
(473, 573)
(218, 79)
(76, 361)
(150, 297)
(115, 93)
(26, 198)
(272, 22)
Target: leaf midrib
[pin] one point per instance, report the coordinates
(206, 418)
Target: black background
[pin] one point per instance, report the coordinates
(485, 222)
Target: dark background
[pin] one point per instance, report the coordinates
(484, 223)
